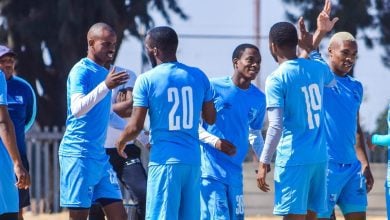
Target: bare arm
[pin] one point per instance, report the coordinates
(362, 156)
(208, 112)
(133, 128)
(7, 134)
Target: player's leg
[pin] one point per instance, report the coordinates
(107, 193)
(353, 198)
(317, 202)
(77, 184)
(236, 202)
(213, 199)
(337, 178)
(134, 178)
(163, 192)
(190, 199)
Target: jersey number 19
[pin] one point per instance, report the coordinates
(184, 120)
(313, 104)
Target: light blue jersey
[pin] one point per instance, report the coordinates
(85, 136)
(9, 198)
(174, 94)
(297, 87)
(237, 111)
(341, 107)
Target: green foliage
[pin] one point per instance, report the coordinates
(59, 27)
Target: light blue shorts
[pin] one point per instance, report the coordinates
(300, 188)
(221, 201)
(83, 181)
(346, 188)
(9, 197)
(173, 192)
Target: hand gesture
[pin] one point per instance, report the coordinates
(115, 79)
(305, 39)
(23, 178)
(261, 176)
(226, 147)
(124, 95)
(324, 24)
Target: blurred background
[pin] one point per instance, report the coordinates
(49, 37)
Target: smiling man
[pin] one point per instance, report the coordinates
(86, 174)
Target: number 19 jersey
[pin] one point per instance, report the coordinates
(297, 87)
(174, 94)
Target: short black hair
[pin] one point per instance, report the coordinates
(237, 53)
(284, 34)
(164, 38)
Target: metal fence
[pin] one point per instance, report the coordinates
(42, 152)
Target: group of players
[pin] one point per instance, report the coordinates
(200, 130)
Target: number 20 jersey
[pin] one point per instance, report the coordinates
(296, 86)
(174, 94)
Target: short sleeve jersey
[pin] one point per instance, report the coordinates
(8, 192)
(296, 87)
(174, 93)
(20, 99)
(84, 136)
(341, 106)
(237, 111)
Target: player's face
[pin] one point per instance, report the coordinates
(7, 65)
(150, 51)
(103, 48)
(249, 64)
(342, 56)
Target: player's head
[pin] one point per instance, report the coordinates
(246, 60)
(283, 37)
(7, 61)
(161, 45)
(101, 43)
(342, 52)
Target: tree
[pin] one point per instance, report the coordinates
(361, 18)
(49, 37)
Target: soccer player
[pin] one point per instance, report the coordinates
(383, 140)
(130, 171)
(86, 175)
(10, 162)
(176, 95)
(348, 166)
(22, 110)
(294, 93)
(240, 107)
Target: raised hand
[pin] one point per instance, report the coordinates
(226, 147)
(324, 24)
(305, 40)
(115, 79)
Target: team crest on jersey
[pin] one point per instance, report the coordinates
(15, 99)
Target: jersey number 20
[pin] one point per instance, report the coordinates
(313, 104)
(186, 118)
